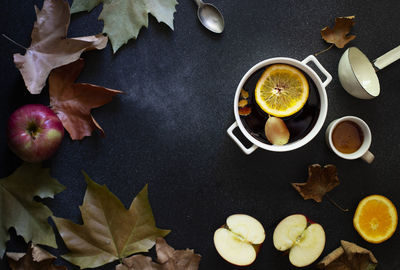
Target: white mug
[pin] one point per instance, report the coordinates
(362, 152)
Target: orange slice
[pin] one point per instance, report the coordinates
(375, 219)
(282, 90)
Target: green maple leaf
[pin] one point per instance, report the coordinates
(123, 19)
(109, 231)
(19, 210)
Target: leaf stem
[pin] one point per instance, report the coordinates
(16, 43)
(318, 53)
(337, 205)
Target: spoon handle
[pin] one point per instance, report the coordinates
(199, 3)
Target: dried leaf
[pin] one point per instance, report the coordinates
(173, 259)
(123, 19)
(34, 259)
(19, 209)
(167, 257)
(338, 35)
(72, 102)
(109, 231)
(50, 48)
(320, 181)
(138, 262)
(349, 257)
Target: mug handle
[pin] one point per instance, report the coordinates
(246, 150)
(312, 58)
(368, 157)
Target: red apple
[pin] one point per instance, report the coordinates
(34, 132)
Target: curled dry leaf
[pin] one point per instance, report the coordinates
(109, 232)
(138, 262)
(173, 259)
(50, 48)
(72, 102)
(167, 258)
(338, 35)
(320, 181)
(20, 210)
(34, 259)
(349, 256)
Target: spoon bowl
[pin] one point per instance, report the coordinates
(210, 17)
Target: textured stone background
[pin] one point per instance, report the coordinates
(169, 128)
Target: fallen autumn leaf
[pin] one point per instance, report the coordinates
(167, 258)
(338, 35)
(72, 102)
(34, 259)
(320, 181)
(349, 256)
(50, 47)
(109, 231)
(19, 209)
(124, 19)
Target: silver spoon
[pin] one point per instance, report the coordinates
(210, 17)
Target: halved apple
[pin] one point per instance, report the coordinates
(239, 240)
(306, 242)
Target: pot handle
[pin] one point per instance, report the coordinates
(246, 150)
(312, 58)
(388, 58)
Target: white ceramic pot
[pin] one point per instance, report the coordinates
(322, 113)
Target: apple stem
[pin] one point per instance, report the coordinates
(16, 43)
(32, 129)
(31, 133)
(337, 205)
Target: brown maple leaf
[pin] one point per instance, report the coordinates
(349, 256)
(167, 257)
(34, 259)
(50, 48)
(338, 35)
(320, 181)
(72, 102)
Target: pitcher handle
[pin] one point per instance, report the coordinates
(388, 58)
(312, 58)
(246, 150)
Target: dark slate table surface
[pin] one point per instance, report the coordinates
(169, 128)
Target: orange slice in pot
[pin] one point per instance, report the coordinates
(282, 90)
